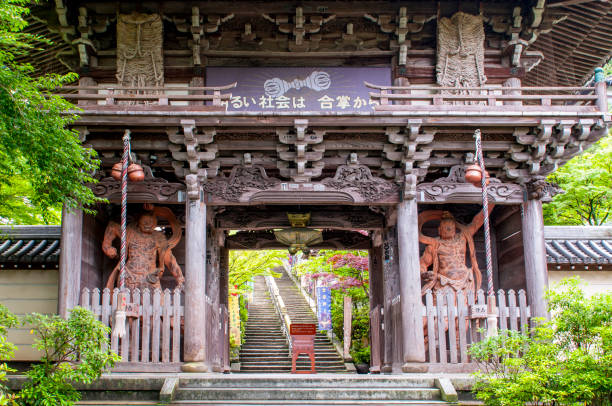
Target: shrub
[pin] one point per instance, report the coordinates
(62, 342)
(566, 361)
(7, 349)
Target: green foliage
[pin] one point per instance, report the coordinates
(587, 182)
(61, 342)
(245, 265)
(566, 361)
(17, 208)
(244, 317)
(7, 349)
(38, 154)
(360, 331)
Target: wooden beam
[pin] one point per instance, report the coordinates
(70, 260)
(195, 345)
(245, 219)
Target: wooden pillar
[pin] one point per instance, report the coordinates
(86, 81)
(509, 83)
(391, 291)
(601, 90)
(376, 303)
(410, 286)
(196, 81)
(224, 276)
(195, 280)
(376, 276)
(224, 299)
(536, 274)
(70, 260)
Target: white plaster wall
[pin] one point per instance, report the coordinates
(595, 281)
(26, 291)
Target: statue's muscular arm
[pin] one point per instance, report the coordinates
(175, 269)
(112, 231)
(426, 259)
(477, 222)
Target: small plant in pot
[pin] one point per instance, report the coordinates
(361, 358)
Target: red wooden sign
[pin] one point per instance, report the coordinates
(302, 338)
(297, 329)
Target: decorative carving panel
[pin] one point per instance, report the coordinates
(455, 189)
(140, 61)
(359, 178)
(461, 51)
(154, 190)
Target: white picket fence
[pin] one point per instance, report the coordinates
(154, 336)
(450, 329)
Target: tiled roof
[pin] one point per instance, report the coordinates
(40, 246)
(29, 246)
(578, 245)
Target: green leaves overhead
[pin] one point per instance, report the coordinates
(245, 265)
(37, 150)
(587, 182)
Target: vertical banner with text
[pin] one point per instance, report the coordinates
(324, 307)
(234, 317)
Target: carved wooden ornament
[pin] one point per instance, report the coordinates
(140, 61)
(461, 51)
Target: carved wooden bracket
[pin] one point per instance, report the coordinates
(407, 148)
(454, 189)
(307, 155)
(539, 189)
(401, 26)
(198, 148)
(300, 27)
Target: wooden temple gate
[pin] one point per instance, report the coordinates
(361, 115)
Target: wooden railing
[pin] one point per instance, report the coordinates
(398, 98)
(281, 310)
(109, 95)
(450, 327)
(154, 336)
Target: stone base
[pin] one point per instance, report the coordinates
(415, 368)
(194, 367)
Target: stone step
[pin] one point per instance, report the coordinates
(307, 381)
(312, 393)
(308, 403)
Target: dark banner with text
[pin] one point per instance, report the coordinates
(299, 89)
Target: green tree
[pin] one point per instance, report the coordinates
(245, 265)
(587, 182)
(38, 153)
(567, 361)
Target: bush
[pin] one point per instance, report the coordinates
(62, 342)
(566, 361)
(7, 349)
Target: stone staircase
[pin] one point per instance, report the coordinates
(319, 389)
(327, 358)
(265, 348)
(147, 389)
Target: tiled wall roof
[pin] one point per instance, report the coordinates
(29, 246)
